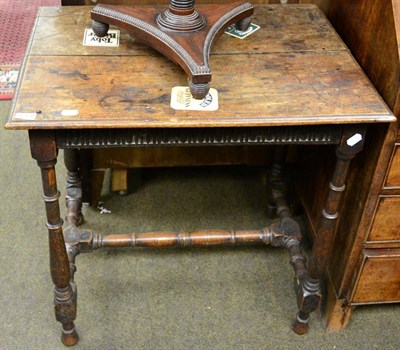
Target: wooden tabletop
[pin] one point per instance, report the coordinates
(294, 70)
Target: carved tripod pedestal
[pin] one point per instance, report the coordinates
(180, 33)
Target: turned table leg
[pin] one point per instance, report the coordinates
(74, 187)
(276, 187)
(44, 151)
(307, 289)
(351, 143)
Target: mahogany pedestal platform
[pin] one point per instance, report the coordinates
(286, 86)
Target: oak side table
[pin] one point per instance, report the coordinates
(291, 82)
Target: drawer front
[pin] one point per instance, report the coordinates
(379, 281)
(386, 223)
(393, 178)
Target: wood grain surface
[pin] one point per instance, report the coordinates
(59, 31)
(379, 280)
(386, 224)
(393, 177)
(303, 80)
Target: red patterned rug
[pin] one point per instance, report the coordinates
(16, 20)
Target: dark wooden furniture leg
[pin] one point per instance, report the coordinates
(351, 143)
(276, 189)
(307, 289)
(85, 169)
(44, 151)
(74, 187)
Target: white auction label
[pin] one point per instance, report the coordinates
(231, 30)
(25, 116)
(182, 99)
(69, 112)
(91, 39)
(356, 138)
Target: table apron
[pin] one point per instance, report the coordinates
(143, 137)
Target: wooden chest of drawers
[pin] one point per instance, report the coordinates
(379, 276)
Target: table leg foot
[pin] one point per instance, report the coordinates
(243, 24)
(199, 91)
(100, 29)
(69, 335)
(300, 325)
(65, 304)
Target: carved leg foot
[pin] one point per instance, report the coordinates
(199, 91)
(300, 325)
(69, 335)
(100, 29)
(308, 293)
(65, 305)
(243, 24)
